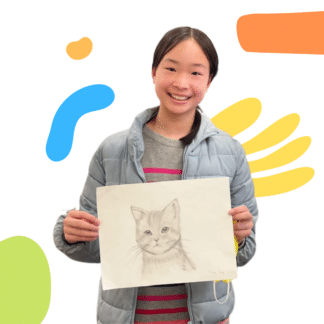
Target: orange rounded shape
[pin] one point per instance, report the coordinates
(80, 49)
(294, 33)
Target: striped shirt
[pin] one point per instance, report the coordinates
(162, 159)
(162, 304)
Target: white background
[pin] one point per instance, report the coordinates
(283, 282)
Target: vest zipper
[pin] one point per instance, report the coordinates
(189, 302)
(185, 154)
(134, 304)
(141, 174)
(184, 158)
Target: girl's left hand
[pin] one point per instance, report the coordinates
(243, 226)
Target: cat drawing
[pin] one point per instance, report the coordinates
(158, 238)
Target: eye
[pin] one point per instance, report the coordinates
(165, 230)
(148, 232)
(171, 69)
(196, 73)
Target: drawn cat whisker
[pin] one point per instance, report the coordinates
(134, 249)
(142, 249)
(137, 248)
(135, 256)
(138, 252)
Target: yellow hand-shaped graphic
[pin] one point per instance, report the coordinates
(242, 115)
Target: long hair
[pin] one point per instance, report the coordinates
(171, 39)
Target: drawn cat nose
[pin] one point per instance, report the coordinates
(156, 240)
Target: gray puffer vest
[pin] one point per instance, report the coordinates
(212, 153)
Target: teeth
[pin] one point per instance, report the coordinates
(179, 98)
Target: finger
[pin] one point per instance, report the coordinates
(245, 216)
(242, 234)
(239, 209)
(75, 238)
(243, 226)
(80, 224)
(78, 232)
(83, 215)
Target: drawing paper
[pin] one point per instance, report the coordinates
(166, 232)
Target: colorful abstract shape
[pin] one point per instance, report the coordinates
(282, 182)
(294, 33)
(286, 154)
(25, 281)
(85, 100)
(238, 117)
(272, 135)
(80, 49)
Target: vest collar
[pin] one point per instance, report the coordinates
(136, 142)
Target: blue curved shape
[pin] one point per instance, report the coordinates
(90, 98)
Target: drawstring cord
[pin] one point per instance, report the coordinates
(228, 284)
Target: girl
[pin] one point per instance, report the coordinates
(174, 141)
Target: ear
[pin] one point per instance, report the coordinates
(138, 213)
(154, 75)
(173, 209)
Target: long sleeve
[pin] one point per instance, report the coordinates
(242, 193)
(84, 251)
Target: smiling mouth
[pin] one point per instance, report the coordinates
(178, 97)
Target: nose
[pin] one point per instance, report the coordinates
(180, 82)
(156, 240)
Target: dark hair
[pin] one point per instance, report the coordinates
(177, 35)
(171, 39)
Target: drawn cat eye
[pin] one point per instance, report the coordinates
(148, 232)
(165, 229)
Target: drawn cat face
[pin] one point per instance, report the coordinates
(157, 231)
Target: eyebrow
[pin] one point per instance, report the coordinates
(193, 64)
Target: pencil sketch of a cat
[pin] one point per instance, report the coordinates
(158, 236)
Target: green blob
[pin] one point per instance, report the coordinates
(25, 281)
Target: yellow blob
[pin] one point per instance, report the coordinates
(287, 154)
(236, 250)
(239, 116)
(282, 182)
(274, 134)
(80, 49)
(236, 245)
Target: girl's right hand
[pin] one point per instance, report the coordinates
(79, 226)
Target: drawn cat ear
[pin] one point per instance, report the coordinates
(138, 213)
(172, 210)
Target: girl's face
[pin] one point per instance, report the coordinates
(182, 78)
